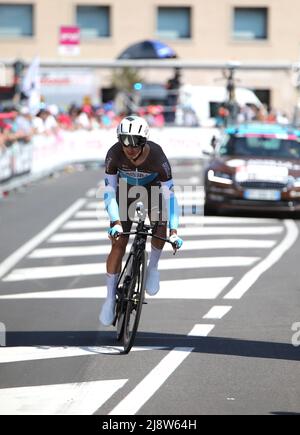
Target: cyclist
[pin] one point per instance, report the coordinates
(142, 166)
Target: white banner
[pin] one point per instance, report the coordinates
(88, 146)
(21, 158)
(5, 165)
(47, 153)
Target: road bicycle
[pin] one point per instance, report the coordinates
(130, 295)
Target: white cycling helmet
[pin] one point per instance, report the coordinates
(133, 131)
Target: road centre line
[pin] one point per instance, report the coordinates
(201, 330)
(276, 254)
(29, 246)
(217, 312)
(137, 398)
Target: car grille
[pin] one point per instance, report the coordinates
(262, 185)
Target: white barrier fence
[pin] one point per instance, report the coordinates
(15, 160)
(46, 154)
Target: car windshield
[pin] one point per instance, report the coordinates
(261, 146)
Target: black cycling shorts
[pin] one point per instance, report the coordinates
(154, 206)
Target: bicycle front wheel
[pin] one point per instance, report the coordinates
(136, 297)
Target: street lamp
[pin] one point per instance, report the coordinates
(296, 84)
(18, 67)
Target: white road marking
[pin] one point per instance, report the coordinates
(77, 251)
(91, 193)
(189, 193)
(201, 288)
(192, 219)
(201, 330)
(18, 354)
(189, 245)
(202, 231)
(62, 399)
(195, 168)
(276, 254)
(97, 205)
(217, 312)
(86, 214)
(24, 250)
(192, 181)
(85, 224)
(218, 231)
(184, 221)
(183, 199)
(136, 399)
(190, 202)
(32, 273)
(212, 220)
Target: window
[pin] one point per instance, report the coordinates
(174, 23)
(94, 21)
(250, 23)
(264, 95)
(16, 20)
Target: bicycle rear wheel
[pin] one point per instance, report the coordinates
(134, 306)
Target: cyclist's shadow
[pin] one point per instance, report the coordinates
(163, 341)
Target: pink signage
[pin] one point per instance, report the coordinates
(69, 40)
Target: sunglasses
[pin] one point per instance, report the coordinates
(134, 141)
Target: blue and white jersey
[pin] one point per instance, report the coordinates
(156, 168)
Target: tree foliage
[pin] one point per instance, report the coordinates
(124, 78)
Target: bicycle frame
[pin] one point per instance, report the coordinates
(126, 297)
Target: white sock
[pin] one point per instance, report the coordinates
(154, 257)
(111, 281)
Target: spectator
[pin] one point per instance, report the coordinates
(282, 118)
(172, 86)
(51, 124)
(65, 121)
(2, 142)
(83, 119)
(24, 123)
(39, 122)
(222, 117)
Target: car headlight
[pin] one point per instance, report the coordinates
(219, 177)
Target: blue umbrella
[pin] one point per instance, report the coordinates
(149, 49)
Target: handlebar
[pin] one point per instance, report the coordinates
(140, 211)
(134, 233)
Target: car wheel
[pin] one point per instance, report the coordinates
(209, 210)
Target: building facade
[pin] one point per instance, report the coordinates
(257, 31)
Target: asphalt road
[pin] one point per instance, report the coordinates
(217, 339)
